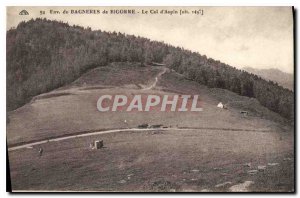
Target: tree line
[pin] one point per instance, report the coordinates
(43, 55)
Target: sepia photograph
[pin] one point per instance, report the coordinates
(150, 99)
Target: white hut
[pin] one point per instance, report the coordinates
(220, 105)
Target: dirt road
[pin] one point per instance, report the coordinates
(56, 139)
(156, 79)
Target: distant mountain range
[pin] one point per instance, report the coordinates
(284, 79)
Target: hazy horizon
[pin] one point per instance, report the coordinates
(257, 37)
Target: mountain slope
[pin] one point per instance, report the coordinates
(43, 55)
(72, 108)
(195, 151)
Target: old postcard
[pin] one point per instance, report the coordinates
(150, 99)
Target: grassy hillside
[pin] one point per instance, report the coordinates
(167, 161)
(214, 150)
(72, 108)
(43, 55)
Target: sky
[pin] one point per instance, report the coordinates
(258, 37)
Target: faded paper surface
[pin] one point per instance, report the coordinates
(171, 99)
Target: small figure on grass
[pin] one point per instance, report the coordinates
(41, 151)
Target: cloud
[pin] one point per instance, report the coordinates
(243, 48)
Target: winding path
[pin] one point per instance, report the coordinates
(85, 134)
(156, 79)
